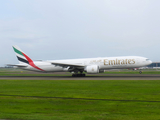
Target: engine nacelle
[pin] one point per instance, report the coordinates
(93, 69)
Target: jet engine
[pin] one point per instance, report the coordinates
(93, 69)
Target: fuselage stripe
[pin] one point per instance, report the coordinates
(20, 56)
(31, 63)
(22, 60)
(17, 51)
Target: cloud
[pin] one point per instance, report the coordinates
(54, 29)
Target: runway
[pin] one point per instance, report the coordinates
(88, 77)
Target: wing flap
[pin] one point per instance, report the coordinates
(67, 64)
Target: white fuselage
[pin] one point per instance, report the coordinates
(103, 63)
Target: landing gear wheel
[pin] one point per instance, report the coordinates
(78, 75)
(140, 72)
(73, 75)
(83, 75)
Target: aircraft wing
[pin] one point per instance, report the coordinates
(67, 64)
(18, 65)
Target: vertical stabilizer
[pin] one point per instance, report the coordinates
(21, 56)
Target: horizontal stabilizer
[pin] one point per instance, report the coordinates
(18, 65)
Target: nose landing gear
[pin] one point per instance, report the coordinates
(140, 72)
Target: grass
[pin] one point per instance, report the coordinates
(150, 71)
(18, 72)
(80, 99)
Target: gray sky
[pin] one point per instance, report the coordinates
(64, 29)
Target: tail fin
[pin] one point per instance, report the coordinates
(22, 57)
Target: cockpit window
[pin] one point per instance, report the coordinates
(147, 59)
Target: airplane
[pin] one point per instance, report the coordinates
(78, 66)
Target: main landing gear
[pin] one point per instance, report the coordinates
(140, 72)
(78, 75)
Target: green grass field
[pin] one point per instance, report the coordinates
(18, 72)
(80, 99)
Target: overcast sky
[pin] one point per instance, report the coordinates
(66, 29)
